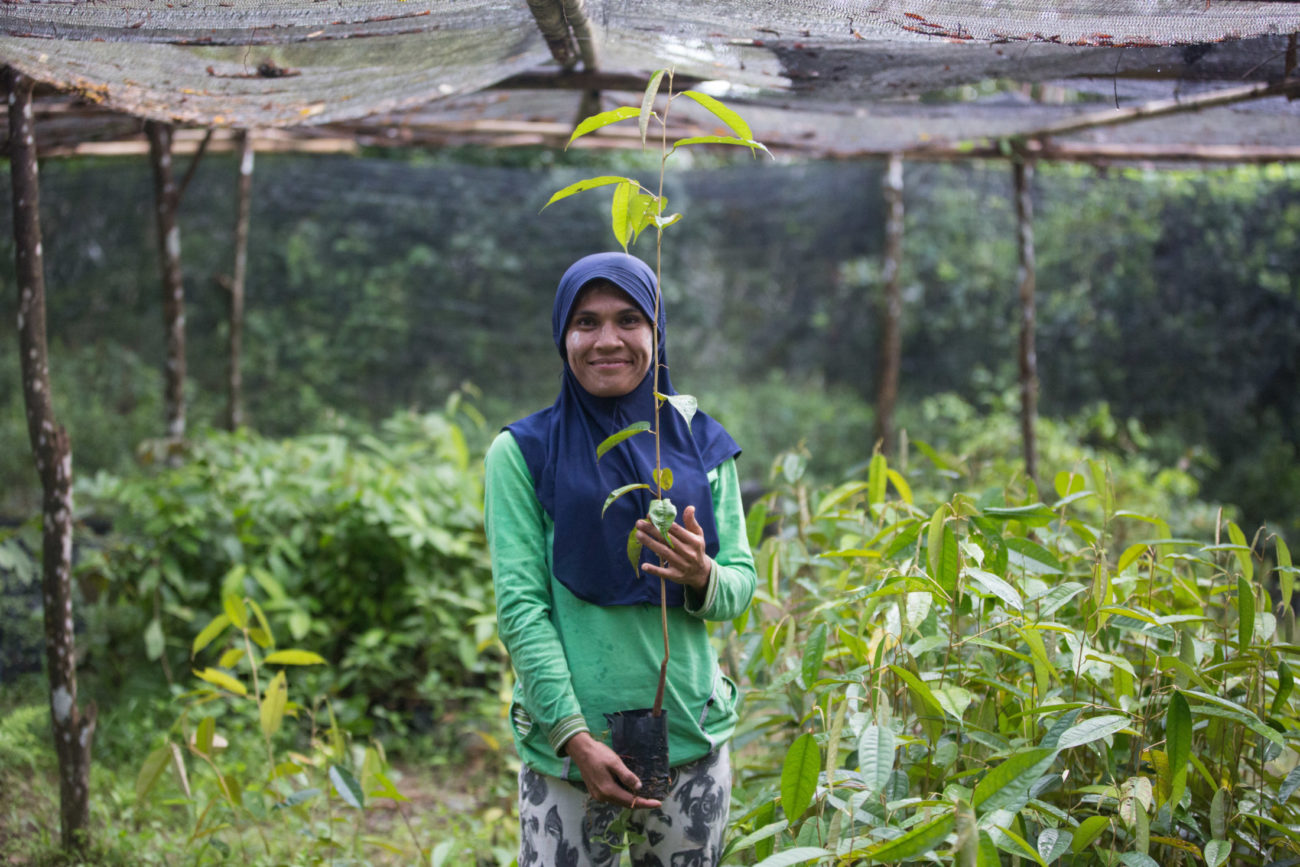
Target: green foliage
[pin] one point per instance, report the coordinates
(367, 546)
(1055, 677)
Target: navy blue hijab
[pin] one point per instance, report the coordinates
(589, 555)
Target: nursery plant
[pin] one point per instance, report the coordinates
(993, 679)
(633, 209)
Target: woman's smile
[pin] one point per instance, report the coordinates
(608, 342)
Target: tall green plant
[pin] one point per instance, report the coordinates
(633, 209)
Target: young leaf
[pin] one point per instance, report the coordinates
(914, 843)
(900, 484)
(1242, 550)
(662, 513)
(221, 679)
(294, 657)
(1178, 742)
(235, 610)
(814, 651)
(151, 770)
(720, 140)
(605, 118)
(685, 404)
(618, 492)
(877, 480)
(799, 775)
(583, 185)
(204, 734)
(724, 114)
(274, 701)
(347, 787)
(263, 626)
(1285, 574)
(664, 478)
(211, 631)
(634, 549)
(619, 213)
(648, 101)
(613, 440)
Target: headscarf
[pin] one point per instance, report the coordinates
(589, 555)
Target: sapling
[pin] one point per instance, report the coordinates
(633, 209)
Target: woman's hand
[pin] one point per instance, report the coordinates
(686, 562)
(608, 779)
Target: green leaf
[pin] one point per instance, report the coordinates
(235, 610)
(1007, 785)
(294, 657)
(1285, 574)
(877, 480)
(1242, 550)
(583, 185)
(900, 484)
(662, 513)
(1219, 814)
(347, 787)
(1088, 831)
(1245, 613)
(1289, 785)
(1053, 843)
(221, 679)
(724, 114)
(915, 842)
(685, 404)
(620, 215)
(604, 119)
(1217, 852)
(1091, 729)
(618, 492)
(718, 140)
(663, 479)
(998, 587)
(1138, 859)
(876, 756)
(1033, 557)
(613, 440)
(634, 549)
(1178, 743)
(648, 102)
(1067, 483)
(274, 702)
(814, 651)
(297, 798)
(1285, 685)
(264, 628)
(153, 640)
(766, 832)
(799, 775)
(151, 770)
(204, 735)
(798, 855)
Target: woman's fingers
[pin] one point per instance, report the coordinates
(686, 560)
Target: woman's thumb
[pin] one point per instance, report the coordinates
(688, 520)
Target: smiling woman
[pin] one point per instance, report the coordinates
(581, 621)
(608, 341)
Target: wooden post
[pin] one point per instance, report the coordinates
(1023, 173)
(166, 202)
(891, 342)
(73, 730)
(243, 207)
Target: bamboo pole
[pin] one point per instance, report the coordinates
(891, 342)
(1026, 277)
(73, 730)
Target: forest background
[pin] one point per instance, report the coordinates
(385, 287)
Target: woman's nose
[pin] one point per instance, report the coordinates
(607, 335)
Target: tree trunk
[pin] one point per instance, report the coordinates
(1028, 317)
(891, 341)
(73, 730)
(166, 200)
(235, 396)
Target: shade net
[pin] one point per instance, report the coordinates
(836, 77)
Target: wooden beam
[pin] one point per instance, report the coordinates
(891, 342)
(1026, 279)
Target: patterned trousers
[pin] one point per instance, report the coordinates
(561, 826)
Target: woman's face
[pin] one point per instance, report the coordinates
(608, 342)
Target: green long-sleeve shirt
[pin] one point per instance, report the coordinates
(574, 661)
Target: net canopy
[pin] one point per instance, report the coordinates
(830, 77)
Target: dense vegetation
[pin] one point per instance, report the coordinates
(290, 631)
(940, 658)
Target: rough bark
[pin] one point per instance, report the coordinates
(1026, 278)
(235, 297)
(166, 202)
(891, 341)
(73, 730)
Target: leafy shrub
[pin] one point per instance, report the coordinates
(365, 547)
(998, 677)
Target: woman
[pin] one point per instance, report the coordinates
(581, 624)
